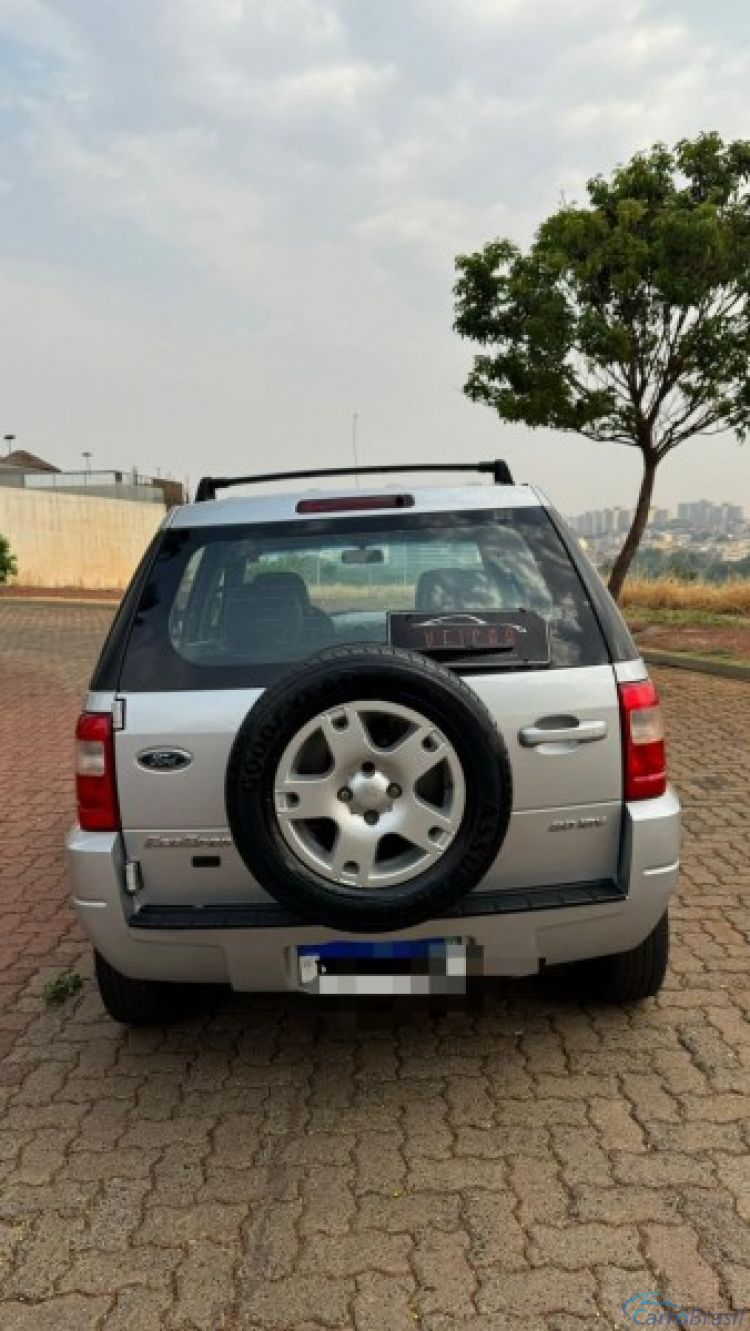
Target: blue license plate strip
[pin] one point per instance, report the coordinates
(397, 950)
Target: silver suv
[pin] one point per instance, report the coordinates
(369, 741)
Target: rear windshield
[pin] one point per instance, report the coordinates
(235, 606)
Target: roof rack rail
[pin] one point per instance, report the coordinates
(208, 485)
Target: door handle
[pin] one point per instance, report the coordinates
(582, 732)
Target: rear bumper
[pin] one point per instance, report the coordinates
(254, 948)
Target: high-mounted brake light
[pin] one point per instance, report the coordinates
(644, 755)
(96, 790)
(354, 503)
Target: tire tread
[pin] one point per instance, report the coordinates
(143, 1002)
(629, 977)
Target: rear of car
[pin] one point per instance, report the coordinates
(198, 860)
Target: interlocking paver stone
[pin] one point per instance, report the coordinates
(276, 1164)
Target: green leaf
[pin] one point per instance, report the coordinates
(628, 318)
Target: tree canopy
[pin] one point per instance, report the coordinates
(628, 319)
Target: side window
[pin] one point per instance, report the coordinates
(198, 608)
(575, 636)
(508, 560)
(178, 615)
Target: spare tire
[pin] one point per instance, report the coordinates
(368, 789)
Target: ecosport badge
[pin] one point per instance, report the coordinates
(576, 824)
(178, 841)
(164, 760)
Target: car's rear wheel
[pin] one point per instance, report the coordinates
(144, 1002)
(628, 977)
(369, 789)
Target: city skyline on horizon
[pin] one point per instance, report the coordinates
(672, 510)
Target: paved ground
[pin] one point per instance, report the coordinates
(281, 1165)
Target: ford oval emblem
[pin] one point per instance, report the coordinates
(164, 760)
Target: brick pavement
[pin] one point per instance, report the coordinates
(277, 1164)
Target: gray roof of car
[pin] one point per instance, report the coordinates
(281, 505)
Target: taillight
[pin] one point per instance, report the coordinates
(96, 790)
(644, 754)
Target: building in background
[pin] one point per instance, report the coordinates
(20, 460)
(24, 470)
(699, 516)
(79, 529)
(710, 517)
(711, 533)
(602, 522)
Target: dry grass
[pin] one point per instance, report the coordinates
(668, 595)
(339, 596)
(651, 598)
(720, 598)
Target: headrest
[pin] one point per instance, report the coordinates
(282, 583)
(444, 589)
(266, 611)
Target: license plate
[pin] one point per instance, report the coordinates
(405, 966)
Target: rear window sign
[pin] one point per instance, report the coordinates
(517, 637)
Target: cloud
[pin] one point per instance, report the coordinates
(284, 183)
(165, 185)
(339, 85)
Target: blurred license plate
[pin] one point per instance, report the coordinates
(418, 965)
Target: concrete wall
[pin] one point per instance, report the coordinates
(64, 540)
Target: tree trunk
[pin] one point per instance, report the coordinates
(633, 539)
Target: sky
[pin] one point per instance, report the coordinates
(226, 226)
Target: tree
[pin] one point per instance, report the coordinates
(628, 319)
(8, 564)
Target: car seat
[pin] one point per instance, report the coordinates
(273, 612)
(445, 589)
